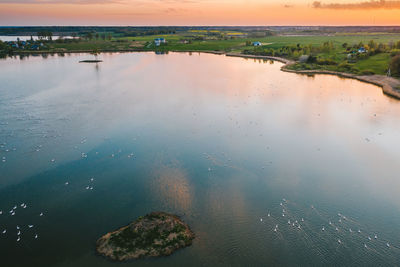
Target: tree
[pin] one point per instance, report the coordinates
(372, 44)
(95, 52)
(89, 36)
(395, 66)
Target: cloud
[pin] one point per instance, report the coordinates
(88, 2)
(83, 2)
(360, 5)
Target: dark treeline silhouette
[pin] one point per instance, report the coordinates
(139, 31)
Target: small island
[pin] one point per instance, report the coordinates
(154, 235)
(91, 61)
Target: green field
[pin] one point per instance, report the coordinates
(289, 46)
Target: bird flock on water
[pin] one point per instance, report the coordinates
(338, 227)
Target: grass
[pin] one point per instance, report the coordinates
(203, 40)
(377, 63)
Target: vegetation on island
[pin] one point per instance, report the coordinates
(357, 50)
(156, 234)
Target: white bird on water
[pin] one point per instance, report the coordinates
(18, 239)
(376, 237)
(4, 231)
(369, 238)
(66, 183)
(365, 246)
(269, 215)
(1, 212)
(359, 231)
(19, 233)
(36, 236)
(260, 219)
(337, 229)
(340, 242)
(17, 227)
(41, 214)
(30, 225)
(323, 228)
(388, 245)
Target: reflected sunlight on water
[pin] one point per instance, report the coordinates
(218, 140)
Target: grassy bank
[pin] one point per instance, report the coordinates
(334, 51)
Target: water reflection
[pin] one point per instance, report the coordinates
(220, 142)
(170, 182)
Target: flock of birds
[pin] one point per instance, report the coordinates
(19, 228)
(285, 218)
(329, 225)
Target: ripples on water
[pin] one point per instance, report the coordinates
(90, 148)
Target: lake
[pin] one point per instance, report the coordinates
(267, 167)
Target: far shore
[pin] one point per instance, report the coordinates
(390, 86)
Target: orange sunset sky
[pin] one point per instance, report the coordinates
(199, 12)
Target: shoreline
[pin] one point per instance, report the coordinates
(389, 85)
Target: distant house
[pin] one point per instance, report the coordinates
(257, 44)
(362, 50)
(159, 41)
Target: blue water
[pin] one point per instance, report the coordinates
(220, 141)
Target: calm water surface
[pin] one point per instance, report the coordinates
(221, 141)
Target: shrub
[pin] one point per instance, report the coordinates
(346, 67)
(395, 52)
(367, 72)
(312, 59)
(395, 65)
(326, 61)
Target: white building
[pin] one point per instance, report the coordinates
(159, 41)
